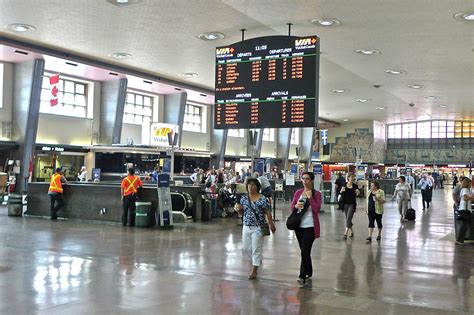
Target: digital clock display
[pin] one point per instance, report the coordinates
(267, 82)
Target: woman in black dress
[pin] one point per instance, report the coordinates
(349, 194)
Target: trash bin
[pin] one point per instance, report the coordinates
(142, 214)
(15, 205)
(327, 196)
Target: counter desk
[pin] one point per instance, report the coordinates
(85, 200)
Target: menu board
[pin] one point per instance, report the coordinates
(267, 82)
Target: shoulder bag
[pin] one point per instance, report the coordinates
(294, 220)
(265, 228)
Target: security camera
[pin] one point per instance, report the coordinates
(411, 104)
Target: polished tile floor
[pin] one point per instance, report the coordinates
(71, 267)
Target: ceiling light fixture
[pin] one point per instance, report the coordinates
(464, 16)
(189, 75)
(430, 97)
(362, 100)
(415, 86)
(339, 90)
(123, 2)
(443, 106)
(395, 72)
(326, 22)
(121, 55)
(367, 52)
(211, 36)
(379, 108)
(345, 119)
(21, 28)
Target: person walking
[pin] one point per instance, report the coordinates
(465, 205)
(375, 201)
(129, 193)
(340, 182)
(254, 207)
(55, 192)
(309, 200)
(426, 190)
(403, 194)
(349, 193)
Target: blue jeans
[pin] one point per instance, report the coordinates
(213, 208)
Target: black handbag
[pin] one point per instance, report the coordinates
(294, 220)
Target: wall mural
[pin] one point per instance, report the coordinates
(370, 151)
(427, 156)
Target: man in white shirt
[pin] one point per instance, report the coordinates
(410, 180)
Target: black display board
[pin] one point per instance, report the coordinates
(267, 82)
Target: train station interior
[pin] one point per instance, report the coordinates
(180, 109)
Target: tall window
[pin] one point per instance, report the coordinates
(72, 98)
(1, 84)
(269, 134)
(295, 136)
(236, 133)
(193, 118)
(138, 108)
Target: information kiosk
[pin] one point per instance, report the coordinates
(164, 214)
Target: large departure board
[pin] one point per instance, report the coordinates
(267, 82)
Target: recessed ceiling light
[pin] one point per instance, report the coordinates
(367, 52)
(464, 16)
(121, 55)
(396, 72)
(415, 86)
(189, 75)
(21, 28)
(339, 90)
(430, 97)
(326, 22)
(379, 108)
(211, 36)
(123, 2)
(443, 106)
(345, 119)
(363, 100)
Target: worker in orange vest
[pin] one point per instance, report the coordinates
(55, 192)
(129, 190)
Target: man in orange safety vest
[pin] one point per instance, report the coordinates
(129, 190)
(55, 192)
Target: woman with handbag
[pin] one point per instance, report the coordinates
(349, 194)
(465, 210)
(254, 207)
(307, 201)
(375, 201)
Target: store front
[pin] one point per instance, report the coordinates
(49, 157)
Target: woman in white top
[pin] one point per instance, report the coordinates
(403, 194)
(466, 205)
(82, 175)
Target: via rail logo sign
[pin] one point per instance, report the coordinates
(159, 134)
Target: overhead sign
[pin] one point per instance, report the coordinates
(159, 134)
(273, 77)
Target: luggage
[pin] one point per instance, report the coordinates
(411, 214)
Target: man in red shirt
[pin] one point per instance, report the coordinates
(129, 190)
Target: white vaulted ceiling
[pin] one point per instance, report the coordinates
(420, 37)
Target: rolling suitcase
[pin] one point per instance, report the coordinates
(411, 213)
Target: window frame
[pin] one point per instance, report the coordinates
(198, 127)
(45, 102)
(127, 110)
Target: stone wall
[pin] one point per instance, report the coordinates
(428, 156)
